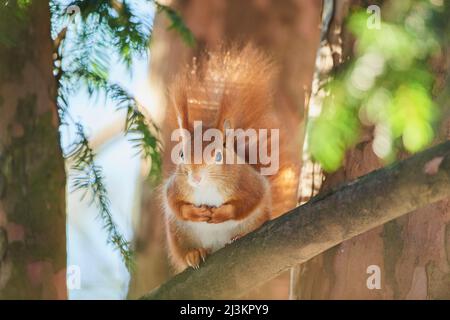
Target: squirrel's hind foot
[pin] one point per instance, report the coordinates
(195, 257)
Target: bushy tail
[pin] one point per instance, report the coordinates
(232, 84)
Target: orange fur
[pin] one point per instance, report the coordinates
(234, 85)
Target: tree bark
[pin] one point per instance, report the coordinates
(32, 175)
(412, 252)
(322, 223)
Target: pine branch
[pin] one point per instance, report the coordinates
(84, 44)
(142, 131)
(177, 23)
(89, 178)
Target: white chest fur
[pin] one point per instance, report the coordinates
(213, 236)
(208, 235)
(207, 194)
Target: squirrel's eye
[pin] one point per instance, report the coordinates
(219, 156)
(181, 154)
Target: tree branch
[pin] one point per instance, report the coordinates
(320, 224)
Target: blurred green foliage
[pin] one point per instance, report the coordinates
(388, 83)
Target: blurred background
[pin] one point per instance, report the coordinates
(361, 85)
(380, 74)
(268, 24)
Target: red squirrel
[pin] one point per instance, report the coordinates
(210, 204)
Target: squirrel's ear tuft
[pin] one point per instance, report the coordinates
(226, 132)
(178, 101)
(226, 124)
(180, 122)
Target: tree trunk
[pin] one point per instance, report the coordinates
(32, 175)
(289, 31)
(412, 252)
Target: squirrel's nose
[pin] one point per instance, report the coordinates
(196, 177)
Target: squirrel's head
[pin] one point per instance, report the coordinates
(205, 155)
(228, 89)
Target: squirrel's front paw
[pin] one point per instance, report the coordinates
(221, 214)
(196, 256)
(196, 214)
